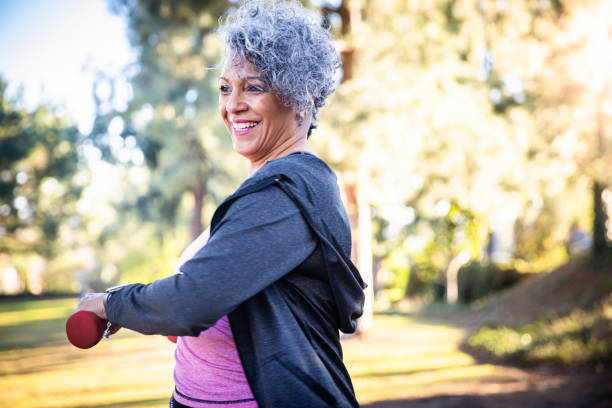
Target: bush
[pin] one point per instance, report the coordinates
(421, 280)
(476, 280)
(584, 336)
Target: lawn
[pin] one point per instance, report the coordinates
(401, 357)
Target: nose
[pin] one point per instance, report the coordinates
(235, 102)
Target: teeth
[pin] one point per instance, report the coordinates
(244, 125)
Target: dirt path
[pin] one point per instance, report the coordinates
(433, 368)
(535, 391)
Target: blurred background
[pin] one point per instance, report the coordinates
(473, 144)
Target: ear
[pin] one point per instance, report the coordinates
(305, 115)
(300, 118)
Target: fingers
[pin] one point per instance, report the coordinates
(93, 302)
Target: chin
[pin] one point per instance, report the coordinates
(243, 149)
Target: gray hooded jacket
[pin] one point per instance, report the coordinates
(277, 263)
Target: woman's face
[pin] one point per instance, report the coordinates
(255, 117)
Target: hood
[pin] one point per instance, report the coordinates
(313, 187)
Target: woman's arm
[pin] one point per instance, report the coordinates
(261, 238)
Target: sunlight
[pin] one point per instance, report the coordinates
(595, 25)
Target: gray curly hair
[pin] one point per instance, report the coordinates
(287, 44)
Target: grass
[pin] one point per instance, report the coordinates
(581, 337)
(39, 368)
(400, 357)
(413, 357)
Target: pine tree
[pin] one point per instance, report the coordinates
(172, 114)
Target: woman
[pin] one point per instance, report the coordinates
(259, 301)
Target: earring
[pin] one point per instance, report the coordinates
(301, 119)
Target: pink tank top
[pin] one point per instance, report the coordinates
(208, 371)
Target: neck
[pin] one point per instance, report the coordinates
(290, 146)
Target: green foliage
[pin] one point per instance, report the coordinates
(582, 337)
(541, 44)
(471, 116)
(168, 145)
(479, 106)
(39, 180)
(398, 265)
(417, 119)
(172, 115)
(456, 231)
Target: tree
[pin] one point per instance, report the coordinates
(41, 179)
(171, 116)
(564, 66)
(413, 126)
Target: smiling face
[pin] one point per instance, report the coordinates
(260, 125)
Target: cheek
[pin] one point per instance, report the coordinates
(287, 117)
(275, 114)
(222, 110)
(223, 114)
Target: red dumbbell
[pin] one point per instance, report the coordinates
(85, 329)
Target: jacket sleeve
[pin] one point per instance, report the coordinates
(261, 238)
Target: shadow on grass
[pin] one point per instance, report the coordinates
(129, 404)
(29, 322)
(34, 333)
(410, 372)
(14, 303)
(438, 314)
(569, 395)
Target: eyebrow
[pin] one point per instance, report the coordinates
(249, 78)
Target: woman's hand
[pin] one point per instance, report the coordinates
(94, 302)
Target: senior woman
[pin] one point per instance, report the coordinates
(261, 297)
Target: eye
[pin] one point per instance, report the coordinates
(254, 88)
(224, 89)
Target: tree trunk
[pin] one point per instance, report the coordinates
(365, 252)
(452, 274)
(601, 245)
(350, 190)
(358, 209)
(347, 51)
(198, 203)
